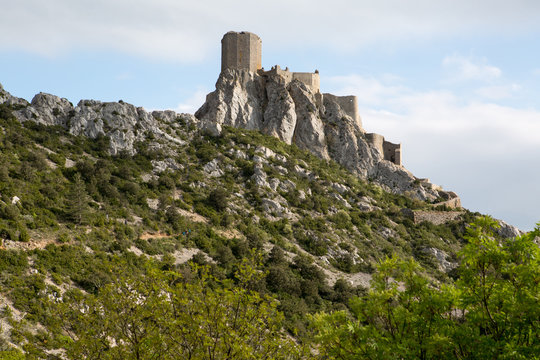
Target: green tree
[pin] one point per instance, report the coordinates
(499, 288)
(77, 200)
(160, 316)
(491, 312)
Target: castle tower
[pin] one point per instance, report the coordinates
(241, 50)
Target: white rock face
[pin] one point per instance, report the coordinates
(123, 124)
(309, 133)
(441, 257)
(236, 102)
(294, 114)
(280, 115)
(212, 169)
(508, 231)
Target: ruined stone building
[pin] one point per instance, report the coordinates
(243, 51)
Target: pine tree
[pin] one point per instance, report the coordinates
(77, 200)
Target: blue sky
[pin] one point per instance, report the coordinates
(457, 83)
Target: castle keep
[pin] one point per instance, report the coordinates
(243, 51)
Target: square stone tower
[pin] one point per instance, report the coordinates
(241, 50)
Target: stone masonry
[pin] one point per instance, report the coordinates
(241, 51)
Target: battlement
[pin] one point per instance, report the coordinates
(311, 80)
(389, 151)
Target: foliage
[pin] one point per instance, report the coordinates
(492, 312)
(161, 316)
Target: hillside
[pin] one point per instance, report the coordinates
(93, 191)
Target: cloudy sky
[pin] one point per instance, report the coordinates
(456, 82)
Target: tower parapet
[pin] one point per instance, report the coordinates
(241, 51)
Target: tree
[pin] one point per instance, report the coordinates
(160, 316)
(491, 312)
(499, 288)
(77, 200)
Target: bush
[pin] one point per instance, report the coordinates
(218, 199)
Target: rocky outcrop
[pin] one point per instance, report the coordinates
(288, 110)
(508, 231)
(8, 99)
(123, 124)
(292, 112)
(236, 102)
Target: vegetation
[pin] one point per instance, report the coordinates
(491, 312)
(119, 257)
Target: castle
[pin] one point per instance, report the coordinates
(243, 51)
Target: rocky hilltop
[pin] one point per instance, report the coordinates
(122, 123)
(294, 113)
(291, 112)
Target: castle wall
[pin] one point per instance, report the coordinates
(349, 104)
(392, 152)
(241, 50)
(375, 140)
(388, 150)
(310, 79)
(286, 74)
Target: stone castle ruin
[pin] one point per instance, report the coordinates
(243, 51)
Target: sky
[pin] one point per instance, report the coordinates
(457, 83)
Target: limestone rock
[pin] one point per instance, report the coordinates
(160, 166)
(259, 177)
(292, 112)
(279, 115)
(236, 102)
(508, 231)
(212, 169)
(441, 258)
(274, 207)
(47, 109)
(346, 143)
(123, 124)
(309, 132)
(8, 99)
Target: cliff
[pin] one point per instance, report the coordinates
(296, 114)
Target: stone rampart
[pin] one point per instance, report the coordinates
(392, 152)
(241, 51)
(432, 216)
(349, 104)
(388, 150)
(311, 80)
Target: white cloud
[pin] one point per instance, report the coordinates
(464, 69)
(186, 30)
(498, 92)
(193, 103)
(482, 150)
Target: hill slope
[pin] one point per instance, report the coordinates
(100, 184)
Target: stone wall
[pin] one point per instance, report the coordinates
(311, 80)
(241, 50)
(392, 152)
(432, 216)
(349, 104)
(388, 150)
